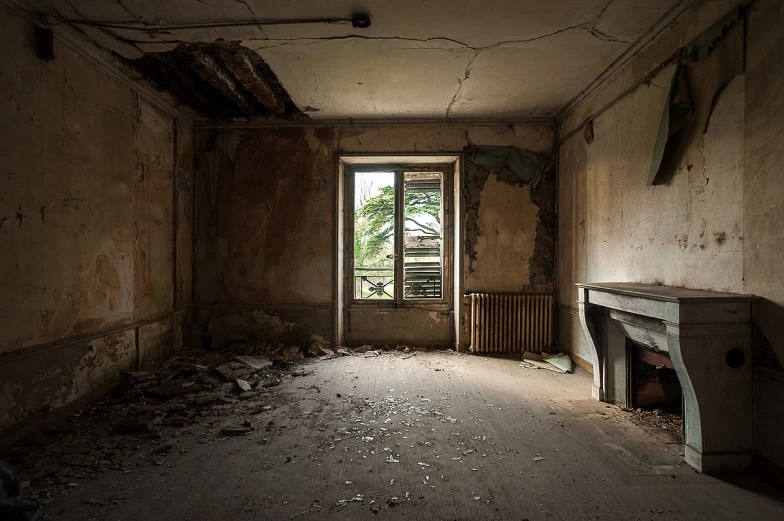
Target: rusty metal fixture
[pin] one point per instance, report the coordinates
(358, 21)
(511, 323)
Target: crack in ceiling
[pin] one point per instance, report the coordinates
(460, 83)
(339, 76)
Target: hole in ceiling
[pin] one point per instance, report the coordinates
(219, 80)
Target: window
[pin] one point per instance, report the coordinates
(397, 223)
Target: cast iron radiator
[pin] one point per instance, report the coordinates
(511, 323)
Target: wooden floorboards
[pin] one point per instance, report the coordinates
(471, 439)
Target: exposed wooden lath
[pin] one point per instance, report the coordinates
(219, 80)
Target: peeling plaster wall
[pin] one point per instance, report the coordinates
(266, 230)
(264, 261)
(717, 221)
(91, 224)
(509, 232)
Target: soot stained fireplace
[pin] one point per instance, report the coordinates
(695, 342)
(653, 381)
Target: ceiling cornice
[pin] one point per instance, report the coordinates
(368, 122)
(623, 61)
(102, 59)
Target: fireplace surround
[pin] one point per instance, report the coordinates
(707, 336)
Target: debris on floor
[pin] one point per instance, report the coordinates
(209, 394)
(238, 430)
(321, 438)
(256, 362)
(142, 418)
(657, 421)
(556, 362)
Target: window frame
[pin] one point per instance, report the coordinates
(447, 255)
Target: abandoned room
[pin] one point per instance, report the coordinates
(448, 260)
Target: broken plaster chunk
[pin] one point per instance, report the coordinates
(256, 362)
(242, 385)
(238, 430)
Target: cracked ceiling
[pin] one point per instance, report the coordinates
(435, 59)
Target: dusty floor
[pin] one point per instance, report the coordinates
(435, 435)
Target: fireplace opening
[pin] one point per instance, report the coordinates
(654, 396)
(655, 384)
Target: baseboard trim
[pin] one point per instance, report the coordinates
(569, 310)
(581, 362)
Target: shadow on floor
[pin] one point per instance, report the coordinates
(758, 480)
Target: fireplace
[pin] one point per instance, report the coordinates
(659, 343)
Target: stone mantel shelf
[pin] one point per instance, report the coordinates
(706, 334)
(666, 293)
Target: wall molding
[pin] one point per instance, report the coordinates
(261, 307)
(24, 352)
(370, 122)
(571, 310)
(581, 362)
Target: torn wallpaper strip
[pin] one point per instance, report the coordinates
(527, 166)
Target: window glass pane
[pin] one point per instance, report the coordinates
(374, 235)
(423, 236)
